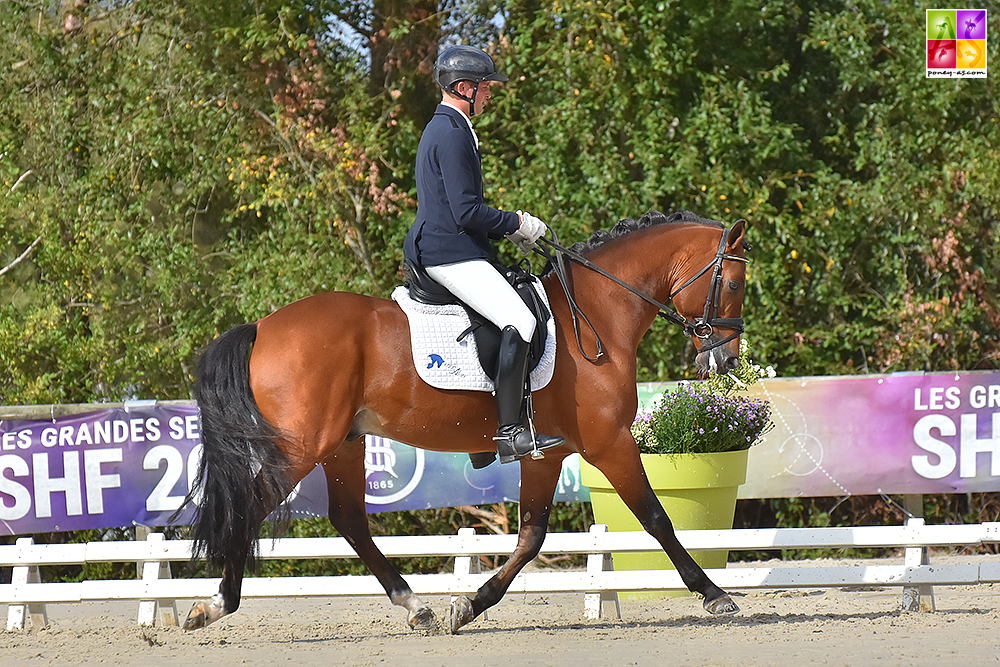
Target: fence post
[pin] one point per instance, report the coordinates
(151, 571)
(468, 564)
(921, 597)
(594, 604)
(22, 575)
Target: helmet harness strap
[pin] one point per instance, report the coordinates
(471, 100)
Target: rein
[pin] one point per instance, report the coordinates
(702, 328)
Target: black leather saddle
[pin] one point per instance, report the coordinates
(424, 289)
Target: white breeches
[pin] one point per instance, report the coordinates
(480, 286)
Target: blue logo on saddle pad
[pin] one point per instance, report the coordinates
(445, 366)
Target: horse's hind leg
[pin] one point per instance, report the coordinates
(538, 486)
(627, 476)
(345, 479)
(226, 601)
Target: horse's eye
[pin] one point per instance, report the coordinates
(733, 285)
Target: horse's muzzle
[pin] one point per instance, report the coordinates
(716, 360)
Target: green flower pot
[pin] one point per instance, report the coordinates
(698, 492)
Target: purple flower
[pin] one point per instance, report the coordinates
(693, 418)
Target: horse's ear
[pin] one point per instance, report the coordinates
(736, 235)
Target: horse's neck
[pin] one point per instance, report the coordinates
(651, 261)
(654, 260)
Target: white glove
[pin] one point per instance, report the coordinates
(530, 230)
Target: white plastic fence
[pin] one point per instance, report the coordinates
(599, 583)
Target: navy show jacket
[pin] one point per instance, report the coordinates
(453, 222)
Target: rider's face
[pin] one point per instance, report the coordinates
(483, 94)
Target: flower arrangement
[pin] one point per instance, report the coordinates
(708, 416)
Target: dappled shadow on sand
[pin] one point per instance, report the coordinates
(484, 629)
(720, 622)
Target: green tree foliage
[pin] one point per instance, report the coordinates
(173, 168)
(870, 190)
(185, 166)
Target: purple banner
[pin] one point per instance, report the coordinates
(133, 466)
(859, 435)
(834, 436)
(115, 467)
(400, 477)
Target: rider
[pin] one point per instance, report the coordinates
(450, 237)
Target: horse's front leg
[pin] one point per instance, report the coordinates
(538, 486)
(624, 471)
(345, 479)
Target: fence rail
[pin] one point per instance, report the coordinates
(599, 583)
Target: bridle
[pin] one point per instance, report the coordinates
(702, 328)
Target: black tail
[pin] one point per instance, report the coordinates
(242, 475)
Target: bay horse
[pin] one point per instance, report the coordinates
(302, 386)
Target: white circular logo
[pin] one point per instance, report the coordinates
(392, 470)
(802, 454)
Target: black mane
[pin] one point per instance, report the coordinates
(629, 225)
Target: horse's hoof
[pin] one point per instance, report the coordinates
(721, 606)
(204, 612)
(197, 618)
(424, 620)
(461, 613)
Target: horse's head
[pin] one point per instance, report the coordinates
(711, 302)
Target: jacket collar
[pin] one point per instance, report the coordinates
(454, 112)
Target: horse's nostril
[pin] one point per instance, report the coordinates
(732, 363)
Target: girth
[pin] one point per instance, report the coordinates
(425, 289)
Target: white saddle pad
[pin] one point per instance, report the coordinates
(444, 362)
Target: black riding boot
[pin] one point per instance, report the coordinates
(514, 435)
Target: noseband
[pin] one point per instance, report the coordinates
(702, 328)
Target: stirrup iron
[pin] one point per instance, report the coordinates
(536, 453)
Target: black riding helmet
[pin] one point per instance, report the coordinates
(465, 63)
